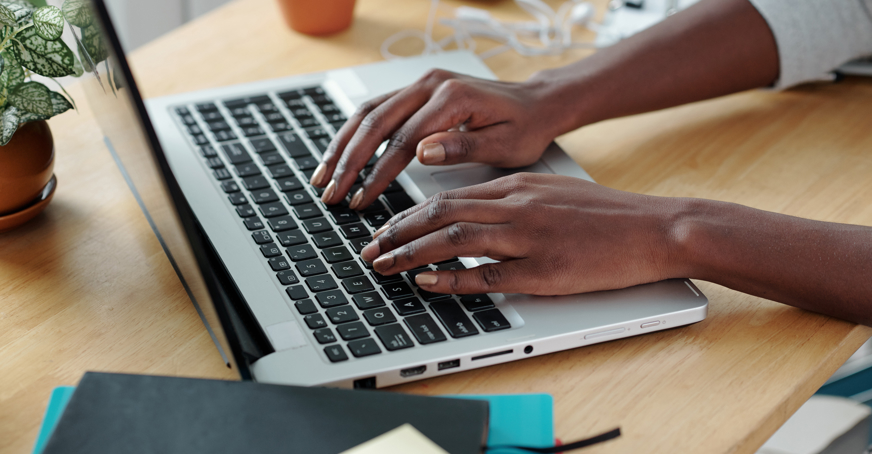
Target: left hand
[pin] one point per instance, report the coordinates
(553, 235)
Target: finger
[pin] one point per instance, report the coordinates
(510, 276)
(488, 145)
(437, 215)
(462, 239)
(331, 155)
(444, 110)
(376, 127)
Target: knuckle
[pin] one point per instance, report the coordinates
(461, 234)
(400, 140)
(437, 212)
(454, 283)
(389, 239)
(373, 121)
(451, 87)
(465, 145)
(490, 275)
(366, 108)
(436, 75)
(408, 252)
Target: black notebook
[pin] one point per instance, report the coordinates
(118, 413)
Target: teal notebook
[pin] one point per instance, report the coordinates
(515, 419)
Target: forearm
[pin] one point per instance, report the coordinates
(713, 48)
(819, 266)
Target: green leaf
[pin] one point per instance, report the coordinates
(24, 117)
(92, 40)
(13, 74)
(77, 12)
(15, 12)
(59, 103)
(48, 22)
(46, 58)
(8, 124)
(38, 3)
(78, 69)
(32, 97)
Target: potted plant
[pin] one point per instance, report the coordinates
(30, 46)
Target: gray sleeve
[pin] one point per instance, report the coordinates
(816, 36)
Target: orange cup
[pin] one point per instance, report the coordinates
(318, 17)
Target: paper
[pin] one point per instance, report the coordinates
(402, 440)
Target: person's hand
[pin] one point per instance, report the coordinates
(444, 118)
(553, 235)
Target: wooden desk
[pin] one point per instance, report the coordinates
(86, 286)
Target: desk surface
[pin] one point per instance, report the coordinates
(86, 286)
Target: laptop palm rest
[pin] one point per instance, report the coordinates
(479, 173)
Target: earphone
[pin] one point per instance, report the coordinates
(552, 29)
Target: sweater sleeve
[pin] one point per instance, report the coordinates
(815, 37)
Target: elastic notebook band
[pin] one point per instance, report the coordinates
(614, 433)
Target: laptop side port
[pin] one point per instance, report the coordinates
(412, 371)
(449, 364)
(364, 383)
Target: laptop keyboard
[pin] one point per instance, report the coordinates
(259, 150)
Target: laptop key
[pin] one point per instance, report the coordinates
(337, 254)
(224, 136)
(454, 319)
(430, 296)
(375, 206)
(298, 197)
(245, 211)
(292, 238)
(398, 201)
(324, 336)
(380, 316)
(307, 211)
(363, 347)
(270, 250)
(316, 225)
(311, 267)
(491, 320)
(301, 112)
(237, 198)
(289, 184)
(377, 219)
(351, 331)
(262, 145)
(255, 183)
(212, 115)
(247, 170)
(206, 107)
(344, 215)
(208, 151)
(358, 244)
(342, 314)
(356, 230)
(270, 159)
(301, 252)
(221, 174)
(409, 306)
(425, 329)
(307, 122)
(230, 186)
(321, 283)
(280, 171)
(381, 279)
(264, 196)
(253, 223)
(282, 223)
(274, 117)
(476, 302)
(357, 284)
(315, 321)
(287, 277)
(450, 266)
(394, 337)
(348, 269)
(215, 163)
(280, 127)
(306, 307)
(217, 125)
(316, 133)
(269, 210)
(306, 163)
(327, 239)
(294, 145)
(279, 263)
(181, 111)
(261, 237)
(331, 298)
(415, 272)
(335, 353)
(244, 119)
(368, 300)
(322, 143)
(296, 292)
(397, 291)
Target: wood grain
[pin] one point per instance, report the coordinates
(86, 286)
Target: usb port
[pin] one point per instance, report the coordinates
(449, 364)
(412, 371)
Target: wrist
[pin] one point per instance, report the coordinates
(560, 103)
(685, 225)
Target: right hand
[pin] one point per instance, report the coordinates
(443, 118)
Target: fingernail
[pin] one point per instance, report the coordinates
(318, 175)
(355, 200)
(381, 230)
(370, 251)
(384, 262)
(328, 192)
(426, 279)
(432, 153)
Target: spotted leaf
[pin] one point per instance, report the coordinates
(32, 97)
(48, 22)
(77, 12)
(44, 57)
(8, 124)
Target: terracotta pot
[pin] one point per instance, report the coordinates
(318, 17)
(26, 164)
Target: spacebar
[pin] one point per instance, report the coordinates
(399, 201)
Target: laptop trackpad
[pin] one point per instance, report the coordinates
(453, 179)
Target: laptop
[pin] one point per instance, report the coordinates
(222, 177)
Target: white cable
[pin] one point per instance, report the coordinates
(552, 29)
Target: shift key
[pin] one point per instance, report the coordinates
(454, 319)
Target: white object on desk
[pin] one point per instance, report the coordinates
(817, 426)
(402, 440)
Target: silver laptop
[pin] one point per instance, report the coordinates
(222, 176)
